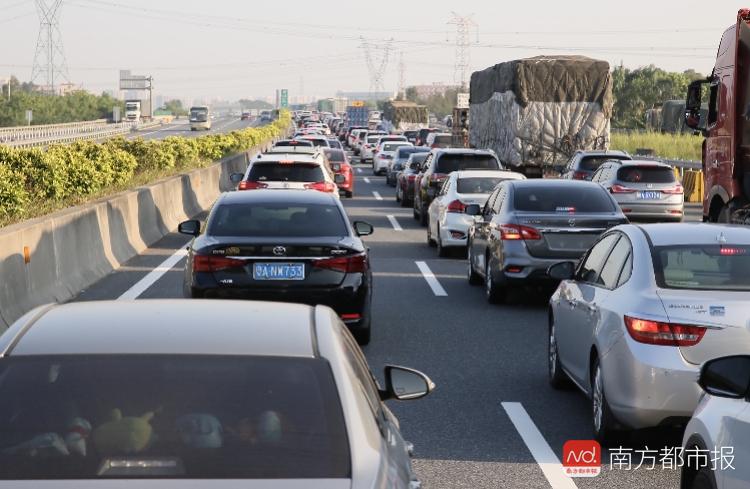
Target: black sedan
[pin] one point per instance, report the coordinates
(282, 245)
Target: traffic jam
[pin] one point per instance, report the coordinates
(577, 324)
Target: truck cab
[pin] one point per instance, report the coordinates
(726, 127)
(133, 110)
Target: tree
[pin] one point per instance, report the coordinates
(175, 107)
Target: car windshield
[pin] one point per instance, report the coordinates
(557, 198)
(645, 174)
(477, 185)
(404, 152)
(286, 172)
(449, 162)
(708, 267)
(197, 417)
(592, 163)
(277, 220)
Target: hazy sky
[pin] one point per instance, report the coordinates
(236, 48)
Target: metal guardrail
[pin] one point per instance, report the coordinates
(681, 164)
(44, 135)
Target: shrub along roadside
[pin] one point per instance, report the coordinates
(34, 182)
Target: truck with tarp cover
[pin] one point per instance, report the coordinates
(403, 115)
(535, 113)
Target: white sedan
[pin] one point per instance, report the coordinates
(716, 443)
(448, 225)
(384, 155)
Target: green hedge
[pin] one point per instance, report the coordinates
(85, 168)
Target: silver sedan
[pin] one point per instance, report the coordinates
(646, 306)
(228, 394)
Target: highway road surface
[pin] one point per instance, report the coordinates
(493, 421)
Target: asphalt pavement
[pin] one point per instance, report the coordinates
(493, 421)
(181, 127)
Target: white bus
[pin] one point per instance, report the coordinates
(200, 118)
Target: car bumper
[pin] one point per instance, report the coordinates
(648, 385)
(653, 211)
(519, 266)
(365, 155)
(454, 229)
(380, 165)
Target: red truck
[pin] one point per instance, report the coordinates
(726, 148)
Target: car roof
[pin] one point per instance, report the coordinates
(555, 182)
(276, 157)
(601, 152)
(487, 173)
(179, 327)
(666, 234)
(286, 196)
(643, 163)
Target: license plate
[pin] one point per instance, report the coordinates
(279, 271)
(649, 195)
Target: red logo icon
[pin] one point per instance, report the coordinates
(582, 458)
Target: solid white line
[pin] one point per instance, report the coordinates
(437, 289)
(394, 223)
(367, 180)
(143, 284)
(359, 170)
(538, 446)
(377, 196)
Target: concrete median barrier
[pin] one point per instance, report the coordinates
(54, 258)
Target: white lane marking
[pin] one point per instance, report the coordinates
(394, 223)
(359, 170)
(538, 446)
(437, 289)
(143, 284)
(377, 196)
(367, 180)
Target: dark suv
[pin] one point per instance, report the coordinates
(583, 164)
(442, 162)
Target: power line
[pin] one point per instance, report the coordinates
(463, 52)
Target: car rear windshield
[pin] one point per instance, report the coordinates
(442, 139)
(392, 146)
(405, 151)
(318, 142)
(592, 163)
(711, 267)
(530, 198)
(336, 156)
(303, 142)
(477, 185)
(466, 161)
(277, 220)
(286, 172)
(182, 417)
(417, 159)
(645, 174)
(373, 139)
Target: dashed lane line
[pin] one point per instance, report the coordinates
(394, 223)
(150, 279)
(377, 196)
(437, 289)
(538, 446)
(367, 180)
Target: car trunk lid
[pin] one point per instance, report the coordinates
(725, 317)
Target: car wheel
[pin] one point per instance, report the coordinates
(414, 209)
(474, 277)
(602, 417)
(441, 250)
(703, 479)
(423, 217)
(362, 335)
(557, 377)
(491, 290)
(430, 241)
(398, 195)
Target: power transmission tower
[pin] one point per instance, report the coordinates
(376, 67)
(463, 25)
(49, 58)
(401, 77)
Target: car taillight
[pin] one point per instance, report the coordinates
(412, 178)
(514, 232)
(344, 264)
(251, 185)
(386, 157)
(321, 186)
(580, 175)
(674, 190)
(209, 263)
(457, 206)
(665, 334)
(438, 177)
(619, 189)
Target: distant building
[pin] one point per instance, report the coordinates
(439, 89)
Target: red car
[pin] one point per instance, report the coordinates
(340, 165)
(406, 180)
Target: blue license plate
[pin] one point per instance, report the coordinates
(279, 271)
(649, 195)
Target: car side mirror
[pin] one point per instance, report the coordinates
(473, 210)
(336, 167)
(562, 271)
(405, 384)
(192, 228)
(726, 377)
(339, 178)
(693, 104)
(236, 178)
(363, 228)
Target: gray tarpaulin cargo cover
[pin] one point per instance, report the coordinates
(538, 111)
(405, 115)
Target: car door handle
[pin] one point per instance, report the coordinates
(410, 448)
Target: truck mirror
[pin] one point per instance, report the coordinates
(693, 103)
